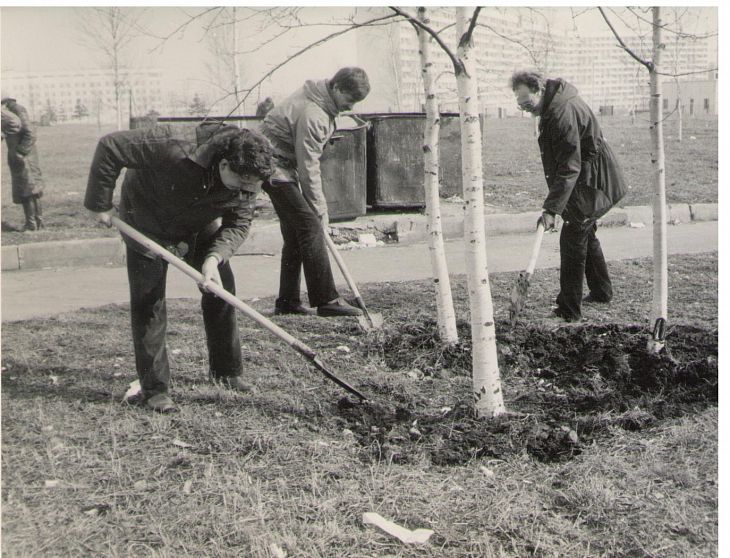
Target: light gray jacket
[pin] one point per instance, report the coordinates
(299, 129)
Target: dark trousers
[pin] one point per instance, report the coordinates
(581, 254)
(147, 282)
(304, 246)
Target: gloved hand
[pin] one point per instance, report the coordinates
(210, 272)
(547, 219)
(103, 217)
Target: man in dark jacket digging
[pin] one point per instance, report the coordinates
(584, 181)
(25, 172)
(299, 128)
(192, 190)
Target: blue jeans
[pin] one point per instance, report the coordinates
(147, 283)
(581, 255)
(304, 247)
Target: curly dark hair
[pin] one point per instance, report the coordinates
(247, 151)
(353, 81)
(534, 80)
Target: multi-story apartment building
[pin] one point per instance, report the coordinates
(608, 77)
(64, 92)
(393, 53)
(508, 39)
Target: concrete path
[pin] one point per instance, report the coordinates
(29, 294)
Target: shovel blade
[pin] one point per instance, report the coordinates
(370, 321)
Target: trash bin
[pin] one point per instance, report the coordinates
(344, 170)
(141, 122)
(395, 158)
(343, 163)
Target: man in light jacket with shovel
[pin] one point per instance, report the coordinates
(299, 129)
(191, 189)
(584, 181)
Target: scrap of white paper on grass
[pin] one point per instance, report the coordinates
(134, 389)
(405, 535)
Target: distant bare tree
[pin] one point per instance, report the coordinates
(108, 32)
(221, 35)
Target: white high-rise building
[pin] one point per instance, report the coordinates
(66, 92)
(508, 39)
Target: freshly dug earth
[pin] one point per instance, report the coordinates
(559, 401)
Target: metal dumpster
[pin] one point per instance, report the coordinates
(344, 175)
(344, 170)
(395, 158)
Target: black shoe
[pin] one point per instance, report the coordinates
(590, 299)
(235, 383)
(558, 313)
(161, 403)
(337, 308)
(299, 309)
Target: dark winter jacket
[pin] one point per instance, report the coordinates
(299, 129)
(25, 171)
(172, 189)
(582, 173)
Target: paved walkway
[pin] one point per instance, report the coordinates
(28, 294)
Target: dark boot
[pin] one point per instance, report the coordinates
(38, 213)
(29, 208)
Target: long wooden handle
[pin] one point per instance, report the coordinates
(535, 248)
(216, 289)
(349, 279)
(231, 299)
(341, 264)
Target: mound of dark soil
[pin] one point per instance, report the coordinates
(564, 388)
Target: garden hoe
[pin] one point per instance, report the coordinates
(370, 320)
(519, 291)
(220, 292)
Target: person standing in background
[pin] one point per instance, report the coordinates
(25, 172)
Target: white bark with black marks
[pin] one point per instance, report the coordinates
(659, 205)
(487, 384)
(440, 271)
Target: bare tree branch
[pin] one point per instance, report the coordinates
(470, 30)
(680, 33)
(302, 51)
(163, 39)
(649, 64)
(512, 40)
(454, 59)
(668, 74)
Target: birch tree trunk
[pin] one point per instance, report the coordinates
(659, 299)
(487, 384)
(440, 272)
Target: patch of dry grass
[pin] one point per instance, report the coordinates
(231, 475)
(513, 175)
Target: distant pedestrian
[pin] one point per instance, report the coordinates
(25, 172)
(584, 181)
(264, 107)
(299, 128)
(192, 190)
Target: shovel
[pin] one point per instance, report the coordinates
(519, 291)
(369, 321)
(220, 292)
